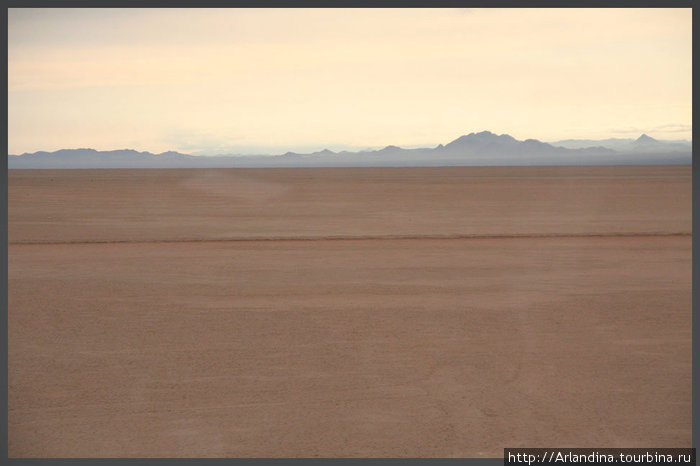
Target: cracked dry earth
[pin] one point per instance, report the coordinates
(414, 312)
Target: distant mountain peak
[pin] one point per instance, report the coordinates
(482, 138)
(645, 138)
(483, 135)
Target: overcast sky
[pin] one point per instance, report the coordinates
(272, 80)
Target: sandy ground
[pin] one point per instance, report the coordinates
(133, 334)
(142, 205)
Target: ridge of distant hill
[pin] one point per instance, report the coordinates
(474, 149)
(643, 143)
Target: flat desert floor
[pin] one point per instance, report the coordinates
(383, 312)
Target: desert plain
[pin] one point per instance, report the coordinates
(348, 312)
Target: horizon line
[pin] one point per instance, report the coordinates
(348, 148)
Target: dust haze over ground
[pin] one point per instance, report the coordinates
(362, 312)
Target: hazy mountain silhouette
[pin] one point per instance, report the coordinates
(488, 143)
(644, 139)
(643, 143)
(475, 149)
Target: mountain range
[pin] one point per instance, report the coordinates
(475, 149)
(643, 143)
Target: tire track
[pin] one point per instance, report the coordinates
(362, 238)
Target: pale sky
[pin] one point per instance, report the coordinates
(272, 80)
